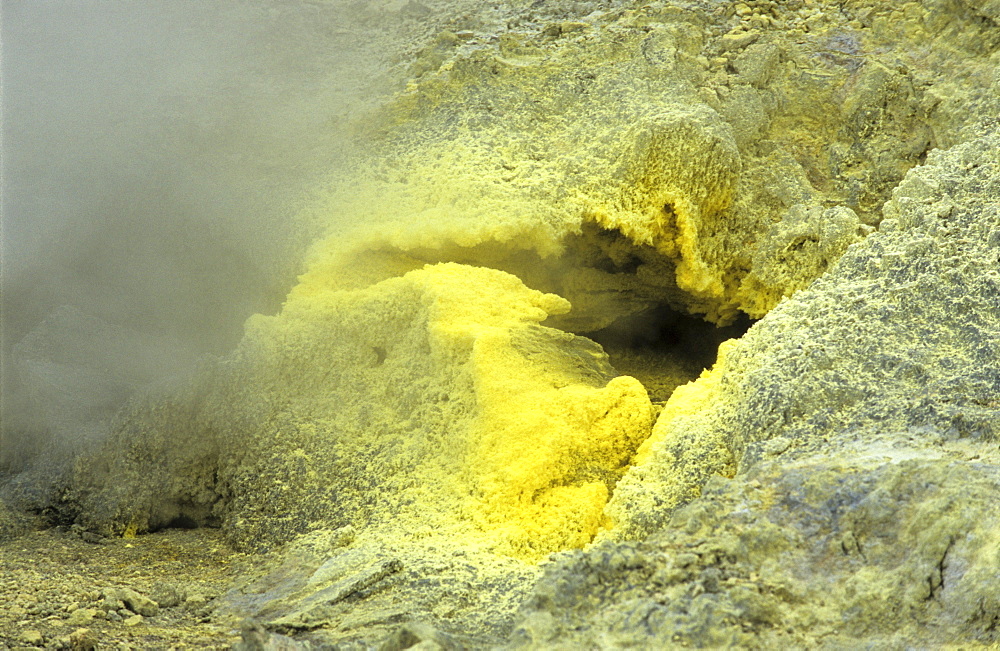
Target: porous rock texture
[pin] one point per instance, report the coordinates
(13, 523)
(418, 404)
(862, 420)
(407, 424)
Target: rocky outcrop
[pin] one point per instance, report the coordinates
(858, 424)
(431, 385)
(429, 402)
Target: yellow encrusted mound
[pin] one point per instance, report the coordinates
(680, 168)
(430, 402)
(684, 449)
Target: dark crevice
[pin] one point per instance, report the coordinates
(664, 348)
(182, 522)
(659, 344)
(624, 297)
(185, 515)
(935, 581)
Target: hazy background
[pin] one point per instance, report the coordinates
(153, 155)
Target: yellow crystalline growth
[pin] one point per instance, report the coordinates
(686, 404)
(680, 170)
(544, 448)
(683, 451)
(547, 454)
(794, 251)
(517, 430)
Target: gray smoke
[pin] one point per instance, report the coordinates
(153, 157)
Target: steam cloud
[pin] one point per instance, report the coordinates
(153, 155)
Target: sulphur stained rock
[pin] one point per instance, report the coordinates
(314, 587)
(13, 523)
(859, 423)
(430, 401)
(878, 339)
(797, 249)
(792, 553)
(717, 153)
(680, 170)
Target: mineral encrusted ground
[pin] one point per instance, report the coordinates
(830, 483)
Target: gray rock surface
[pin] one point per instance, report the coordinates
(864, 418)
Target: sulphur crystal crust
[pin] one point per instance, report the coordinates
(547, 429)
(430, 402)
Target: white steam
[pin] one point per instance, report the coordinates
(153, 153)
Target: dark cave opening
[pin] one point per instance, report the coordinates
(183, 515)
(182, 522)
(652, 338)
(664, 348)
(624, 297)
